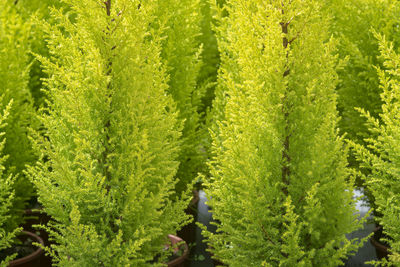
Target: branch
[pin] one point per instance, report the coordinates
(267, 235)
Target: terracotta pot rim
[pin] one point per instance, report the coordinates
(377, 244)
(185, 254)
(31, 256)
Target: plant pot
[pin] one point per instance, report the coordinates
(188, 232)
(35, 217)
(382, 250)
(178, 262)
(33, 259)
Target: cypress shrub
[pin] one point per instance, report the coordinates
(381, 152)
(359, 82)
(181, 54)
(280, 190)
(33, 11)
(109, 154)
(352, 24)
(14, 78)
(216, 112)
(210, 54)
(8, 231)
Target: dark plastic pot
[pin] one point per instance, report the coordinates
(35, 217)
(382, 251)
(32, 260)
(188, 232)
(178, 262)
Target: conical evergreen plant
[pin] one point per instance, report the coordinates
(352, 24)
(280, 191)
(14, 78)
(109, 155)
(181, 55)
(216, 112)
(381, 152)
(8, 231)
(32, 11)
(210, 54)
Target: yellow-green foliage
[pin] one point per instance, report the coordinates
(31, 11)
(280, 191)
(381, 153)
(352, 22)
(181, 54)
(109, 155)
(228, 59)
(210, 54)
(7, 227)
(14, 77)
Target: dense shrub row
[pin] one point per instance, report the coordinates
(112, 112)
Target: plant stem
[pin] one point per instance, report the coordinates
(285, 110)
(108, 122)
(108, 7)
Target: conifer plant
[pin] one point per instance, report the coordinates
(32, 11)
(181, 50)
(352, 23)
(381, 152)
(109, 154)
(8, 231)
(14, 78)
(280, 191)
(210, 54)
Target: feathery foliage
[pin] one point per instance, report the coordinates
(8, 231)
(210, 54)
(109, 157)
(31, 11)
(14, 77)
(216, 113)
(181, 53)
(280, 190)
(380, 154)
(352, 23)
(214, 99)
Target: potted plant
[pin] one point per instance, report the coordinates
(380, 156)
(108, 158)
(280, 191)
(14, 69)
(181, 54)
(8, 231)
(16, 150)
(353, 23)
(358, 85)
(16, 246)
(30, 12)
